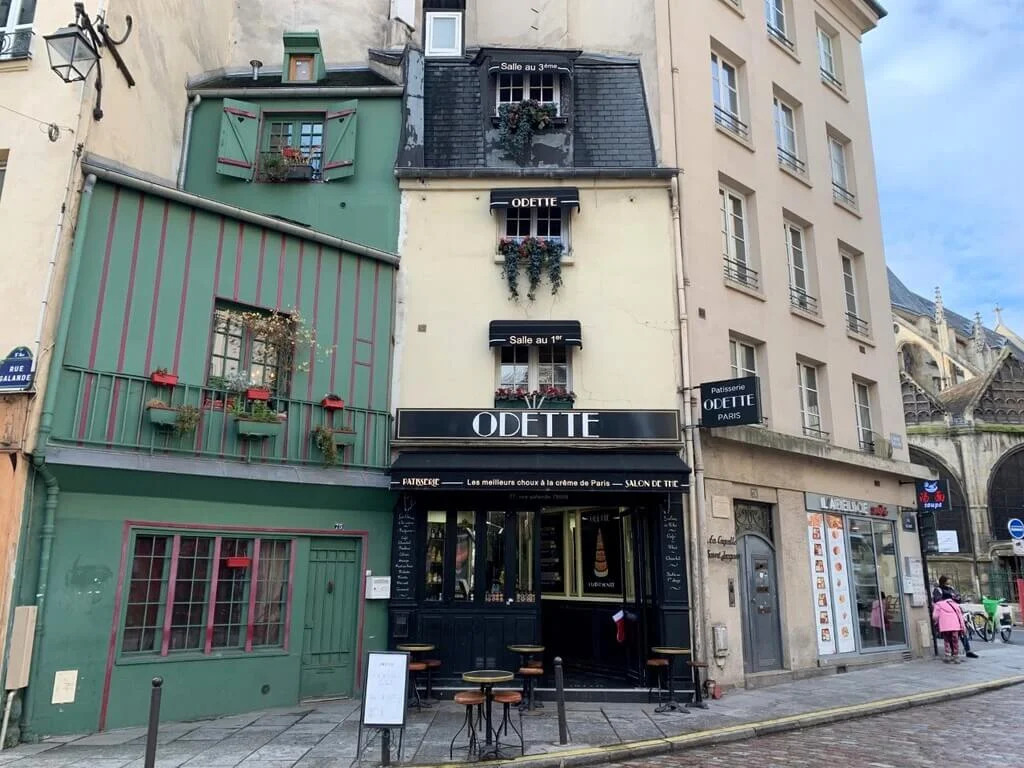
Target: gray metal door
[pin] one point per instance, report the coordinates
(762, 629)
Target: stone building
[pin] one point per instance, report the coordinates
(963, 400)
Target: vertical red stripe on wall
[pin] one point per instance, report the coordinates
(98, 321)
(298, 277)
(259, 269)
(131, 286)
(253, 588)
(165, 640)
(122, 577)
(373, 332)
(362, 610)
(355, 335)
(216, 264)
(291, 593)
(184, 291)
(156, 287)
(337, 317)
(314, 321)
(238, 258)
(115, 397)
(83, 422)
(208, 645)
(280, 272)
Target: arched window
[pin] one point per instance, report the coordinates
(1006, 493)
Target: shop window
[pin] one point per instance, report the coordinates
(535, 368)
(244, 353)
(585, 552)
(435, 555)
(465, 555)
(200, 589)
(876, 583)
(514, 87)
(494, 571)
(524, 591)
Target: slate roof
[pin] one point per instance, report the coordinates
(918, 306)
(338, 78)
(452, 128)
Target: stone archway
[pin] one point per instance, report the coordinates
(1006, 492)
(958, 518)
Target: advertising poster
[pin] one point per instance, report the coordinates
(552, 550)
(602, 553)
(841, 595)
(824, 627)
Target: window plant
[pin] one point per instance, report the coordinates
(538, 255)
(187, 420)
(536, 398)
(518, 122)
(328, 439)
(332, 402)
(161, 377)
(259, 420)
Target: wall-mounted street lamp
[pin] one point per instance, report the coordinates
(75, 49)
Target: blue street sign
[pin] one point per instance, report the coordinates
(16, 370)
(1016, 527)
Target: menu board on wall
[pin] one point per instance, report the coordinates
(841, 595)
(824, 625)
(672, 561)
(601, 538)
(552, 552)
(403, 561)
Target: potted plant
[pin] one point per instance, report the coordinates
(548, 398)
(187, 420)
(538, 255)
(328, 440)
(332, 402)
(161, 415)
(161, 378)
(260, 421)
(237, 561)
(518, 122)
(299, 166)
(257, 393)
(275, 166)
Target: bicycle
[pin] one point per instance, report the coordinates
(992, 621)
(975, 624)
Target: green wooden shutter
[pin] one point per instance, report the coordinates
(239, 138)
(340, 138)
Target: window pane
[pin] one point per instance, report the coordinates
(552, 553)
(738, 234)
(889, 591)
(465, 555)
(444, 33)
(549, 222)
(232, 600)
(601, 564)
(553, 367)
(525, 592)
(191, 592)
(145, 606)
(517, 222)
(28, 11)
(280, 136)
(311, 139)
(865, 583)
(435, 555)
(271, 592)
(494, 576)
(515, 368)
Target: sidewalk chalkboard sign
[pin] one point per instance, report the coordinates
(386, 692)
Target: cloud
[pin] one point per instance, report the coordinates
(944, 83)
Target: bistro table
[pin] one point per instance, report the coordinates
(487, 679)
(673, 652)
(526, 652)
(412, 649)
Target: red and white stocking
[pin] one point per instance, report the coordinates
(620, 626)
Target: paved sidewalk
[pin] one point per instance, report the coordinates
(324, 735)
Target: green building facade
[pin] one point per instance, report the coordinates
(210, 492)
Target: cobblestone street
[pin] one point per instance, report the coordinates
(977, 731)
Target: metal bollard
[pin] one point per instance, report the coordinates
(563, 730)
(154, 722)
(385, 747)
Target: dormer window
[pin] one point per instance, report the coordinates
(442, 26)
(514, 87)
(300, 68)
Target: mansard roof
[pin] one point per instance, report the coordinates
(904, 299)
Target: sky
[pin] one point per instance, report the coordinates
(945, 85)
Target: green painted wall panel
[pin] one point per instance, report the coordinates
(172, 274)
(363, 208)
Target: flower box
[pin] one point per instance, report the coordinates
(344, 436)
(297, 172)
(257, 393)
(332, 403)
(238, 562)
(258, 429)
(522, 405)
(162, 417)
(163, 379)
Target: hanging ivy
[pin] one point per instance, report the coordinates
(538, 256)
(518, 122)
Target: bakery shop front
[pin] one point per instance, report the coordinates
(557, 527)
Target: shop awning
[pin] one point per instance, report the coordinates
(535, 198)
(529, 333)
(548, 471)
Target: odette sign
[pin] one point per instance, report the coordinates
(730, 403)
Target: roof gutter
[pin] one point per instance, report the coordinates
(877, 8)
(304, 92)
(106, 172)
(536, 173)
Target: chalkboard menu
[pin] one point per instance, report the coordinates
(403, 561)
(673, 562)
(552, 553)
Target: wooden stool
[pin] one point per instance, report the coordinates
(415, 667)
(508, 699)
(467, 699)
(698, 692)
(656, 667)
(536, 664)
(530, 675)
(432, 664)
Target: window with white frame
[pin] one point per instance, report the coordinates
(16, 28)
(828, 58)
(842, 188)
(725, 89)
(786, 136)
(742, 358)
(862, 406)
(443, 33)
(535, 369)
(514, 87)
(543, 222)
(799, 282)
(810, 400)
(734, 237)
(853, 310)
(775, 13)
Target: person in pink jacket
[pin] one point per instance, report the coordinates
(950, 621)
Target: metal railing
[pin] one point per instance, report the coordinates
(731, 122)
(815, 432)
(16, 44)
(740, 272)
(843, 195)
(857, 325)
(831, 79)
(791, 161)
(868, 446)
(803, 300)
(780, 36)
(109, 410)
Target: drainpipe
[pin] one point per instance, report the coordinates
(186, 138)
(48, 530)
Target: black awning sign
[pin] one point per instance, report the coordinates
(552, 197)
(529, 66)
(933, 496)
(535, 333)
(730, 403)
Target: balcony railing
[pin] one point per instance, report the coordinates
(868, 446)
(815, 433)
(843, 195)
(731, 122)
(831, 79)
(16, 43)
(780, 36)
(857, 325)
(791, 161)
(740, 272)
(803, 300)
(109, 410)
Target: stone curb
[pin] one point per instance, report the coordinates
(584, 756)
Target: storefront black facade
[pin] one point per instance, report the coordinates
(540, 527)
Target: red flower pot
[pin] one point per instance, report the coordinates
(238, 562)
(257, 393)
(163, 379)
(332, 405)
